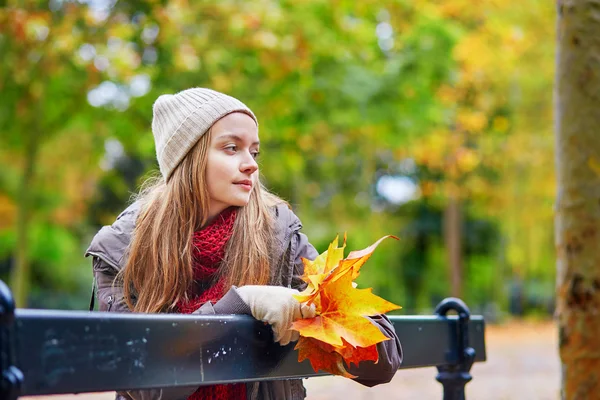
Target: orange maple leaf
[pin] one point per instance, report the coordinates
(322, 356)
(317, 271)
(341, 331)
(342, 314)
(354, 355)
(330, 265)
(325, 357)
(357, 259)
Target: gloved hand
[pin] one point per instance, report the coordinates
(276, 306)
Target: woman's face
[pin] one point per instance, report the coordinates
(232, 171)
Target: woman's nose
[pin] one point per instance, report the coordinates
(249, 165)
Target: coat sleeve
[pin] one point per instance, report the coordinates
(230, 303)
(390, 357)
(300, 248)
(110, 298)
(390, 351)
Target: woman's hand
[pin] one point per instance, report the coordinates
(276, 306)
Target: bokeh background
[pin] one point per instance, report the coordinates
(427, 120)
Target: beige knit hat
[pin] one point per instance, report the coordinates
(179, 120)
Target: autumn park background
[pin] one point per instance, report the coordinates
(428, 120)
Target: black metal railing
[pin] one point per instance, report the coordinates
(47, 352)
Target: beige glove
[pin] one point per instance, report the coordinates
(276, 306)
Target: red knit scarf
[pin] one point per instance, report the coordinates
(209, 250)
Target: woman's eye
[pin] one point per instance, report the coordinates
(255, 154)
(231, 148)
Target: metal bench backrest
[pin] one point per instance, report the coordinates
(57, 352)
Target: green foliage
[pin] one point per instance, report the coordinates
(52, 247)
(345, 93)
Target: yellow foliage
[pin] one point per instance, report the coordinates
(467, 160)
(221, 82)
(186, 58)
(501, 124)
(448, 95)
(594, 165)
(305, 142)
(471, 121)
(473, 52)
(8, 212)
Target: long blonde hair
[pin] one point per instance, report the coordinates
(158, 271)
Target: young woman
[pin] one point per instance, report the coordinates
(206, 237)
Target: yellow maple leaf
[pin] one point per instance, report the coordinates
(356, 259)
(341, 330)
(330, 265)
(342, 314)
(315, 272)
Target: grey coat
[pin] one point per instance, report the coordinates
(108, 250)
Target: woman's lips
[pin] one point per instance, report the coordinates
(246, 184)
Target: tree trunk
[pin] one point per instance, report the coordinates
(20, 272)
(577, 125)
(453, 241)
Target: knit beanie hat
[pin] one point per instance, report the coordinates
(179, 120)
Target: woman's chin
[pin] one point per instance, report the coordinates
(240, 202)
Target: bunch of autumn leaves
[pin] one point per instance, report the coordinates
(341, 332)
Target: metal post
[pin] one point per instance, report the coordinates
(455, 376)
(12, 377)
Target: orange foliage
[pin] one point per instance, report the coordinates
(340, 331)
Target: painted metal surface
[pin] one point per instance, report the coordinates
(57, 352)
(70, 351)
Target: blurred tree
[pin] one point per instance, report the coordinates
(45, 121)
(485, 151)
(578, 194)
(334, 85)
(339, 89)
(347, 94)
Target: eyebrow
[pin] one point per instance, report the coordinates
(236, 138)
